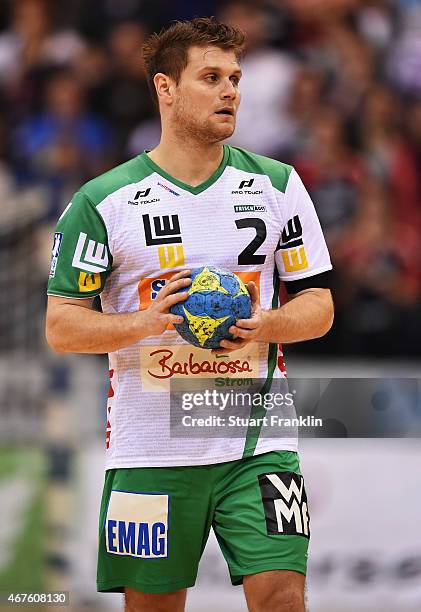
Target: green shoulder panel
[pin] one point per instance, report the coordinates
(81, 259)
(277, 171)
(132, 171)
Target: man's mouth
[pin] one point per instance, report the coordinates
(225, 111)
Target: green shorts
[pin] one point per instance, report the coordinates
(155, 522)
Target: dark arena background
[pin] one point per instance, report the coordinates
(332, 87)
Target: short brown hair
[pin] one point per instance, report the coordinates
(167, 51)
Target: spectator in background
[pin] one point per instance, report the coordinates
(332, 172)
(389, 154)
(92, 70)
(375, 24)
(353, 68)
(29, 49)
(320, 10)
(63, 145)
(412, 131)
(380, 261)
(128, 101)
(304, 105)
(97, 18)
(332, 86)
(403, 64)
(263, 122)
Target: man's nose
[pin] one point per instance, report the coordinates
(229, 90)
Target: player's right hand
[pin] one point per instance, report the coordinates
(157, 316)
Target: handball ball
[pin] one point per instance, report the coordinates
(216, 299)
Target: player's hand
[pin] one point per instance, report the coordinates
(245, 330)
(157, 316)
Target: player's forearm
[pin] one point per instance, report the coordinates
(80, 330)
(305, 317)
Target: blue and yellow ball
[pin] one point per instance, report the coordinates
(217, 298)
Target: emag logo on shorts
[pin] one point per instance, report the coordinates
(136, 525)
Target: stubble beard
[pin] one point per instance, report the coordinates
(187, 126)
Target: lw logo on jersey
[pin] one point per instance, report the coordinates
(166, 230)
(89, 255)
(285, 504)
(58, 237)
(293, 253)
(242, 188)
(137, 525)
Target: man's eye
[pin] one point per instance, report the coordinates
(211, 77)
(236, 81)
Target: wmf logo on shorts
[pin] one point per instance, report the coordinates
(285, 503)
(136, 525)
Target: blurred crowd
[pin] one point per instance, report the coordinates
(330, 86)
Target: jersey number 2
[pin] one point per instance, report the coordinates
(247, 257)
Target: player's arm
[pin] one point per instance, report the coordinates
(81, 263)
(307, 315)
(303, 264)
(302, 261)
(73, 327)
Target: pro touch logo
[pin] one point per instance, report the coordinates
(243, 188)
(285, 504)
(89, 255)
(137, 525)
(246, 184)
(142, 194)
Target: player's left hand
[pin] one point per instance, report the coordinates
(245, 330)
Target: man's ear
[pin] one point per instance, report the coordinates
(164, 86)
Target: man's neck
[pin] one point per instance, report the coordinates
(189, 162)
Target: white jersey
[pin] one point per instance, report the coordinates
(127, 231)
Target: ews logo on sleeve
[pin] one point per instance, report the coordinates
(89, 255)
(293, 253)
(285, 504)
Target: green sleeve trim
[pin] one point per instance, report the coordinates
(276, 171)
(65, 294)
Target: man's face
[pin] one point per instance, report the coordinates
(207, 97)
